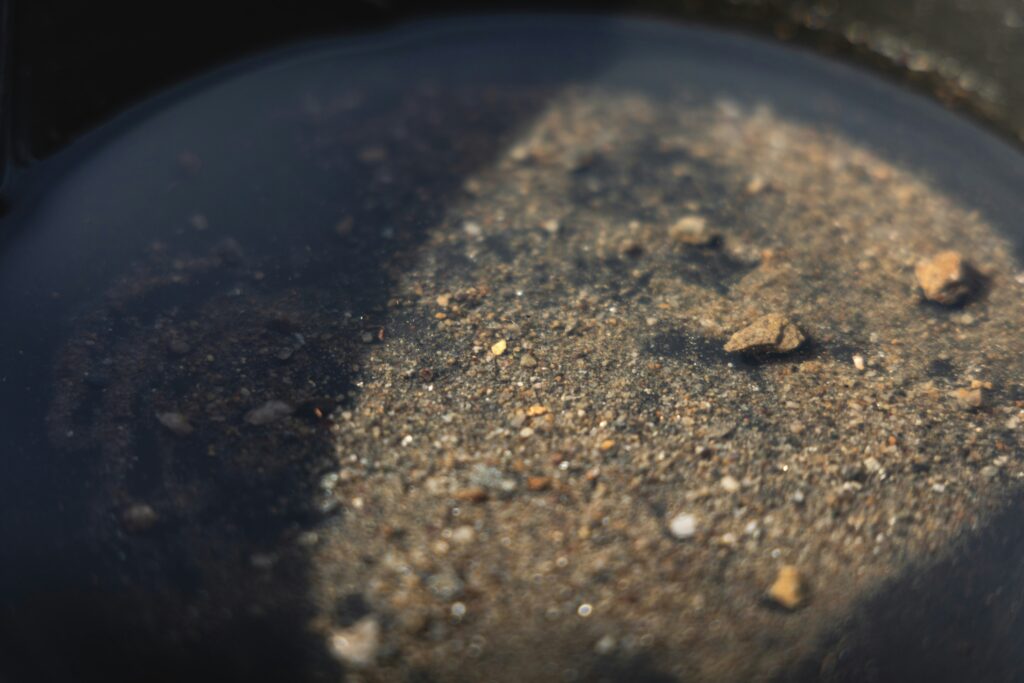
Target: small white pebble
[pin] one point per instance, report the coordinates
(584, 610)
(605, 646)
(858, 362)
(175, 422)
(683, 526)
(730, 484)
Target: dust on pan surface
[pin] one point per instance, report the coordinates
(406, 358)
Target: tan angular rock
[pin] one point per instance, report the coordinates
(969, 399)
(945, 278)
(772, 333)
(692, 231)
(356, 645)
(788, 590)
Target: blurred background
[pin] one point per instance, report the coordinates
(70, 65)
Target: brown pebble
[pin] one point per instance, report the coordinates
(772, 333)
(528, 361)
(969, 399)
(944, 278)
(535, 410)
(538, 483)
(788, 590)
(471, 494)
(607, 445)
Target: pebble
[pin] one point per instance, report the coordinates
(263, 561)
(528, 361)
(858, 362)
(944, 278)
(356, 645)
(788, 590)
(178, 347)
(683, 526)
(471, 494)
(605, 646)
(772, 333)
(692, 231)
(499, 347)
(199, 221)
(756, 185)
(176, 423)
(139, 517)
(630, 247)
(969, 399)
(307, 539)
(446, 585)
(491, 478)
(271, 411)
(538, 483)
(730, 484)
(464, 535)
